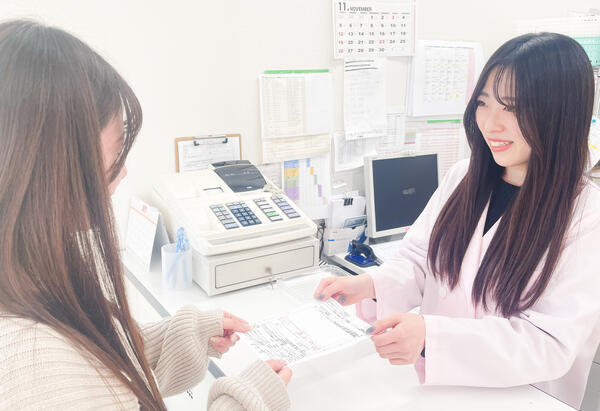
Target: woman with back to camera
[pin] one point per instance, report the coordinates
(67, 338)
(503, 259)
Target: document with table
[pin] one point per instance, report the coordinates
(310, 331)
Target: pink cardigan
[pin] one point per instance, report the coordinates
(551, 345)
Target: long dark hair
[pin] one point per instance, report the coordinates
(59, 257)
(554, 88)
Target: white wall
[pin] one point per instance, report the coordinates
(194, 64)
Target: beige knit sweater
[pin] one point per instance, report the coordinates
(41, 370)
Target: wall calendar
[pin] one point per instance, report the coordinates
(373, 28)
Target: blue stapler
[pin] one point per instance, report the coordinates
(361, 254)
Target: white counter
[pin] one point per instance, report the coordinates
(367, 383)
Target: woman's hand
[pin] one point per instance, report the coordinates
(403, 343)
(279, 366)
(231, 324)
(346, 290)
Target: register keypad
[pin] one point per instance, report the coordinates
(224, 216)
(266, 208)
(243, 213)
(285, 207)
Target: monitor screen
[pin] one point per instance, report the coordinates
(400, 189)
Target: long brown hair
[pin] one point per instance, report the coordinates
(554, 89)
(59, 258)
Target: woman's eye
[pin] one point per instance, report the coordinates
(479, 103)
(509, 108)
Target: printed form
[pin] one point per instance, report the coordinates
(296, 111)
(349, 154)
(314, 329)
(364, 98)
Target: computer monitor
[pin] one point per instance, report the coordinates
(397, 188)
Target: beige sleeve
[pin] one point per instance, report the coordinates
(41, 370)
(178, 348)
(257, 388)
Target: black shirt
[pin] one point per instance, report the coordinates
(502, 195)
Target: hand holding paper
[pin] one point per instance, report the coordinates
(231, 324)
(346, 290)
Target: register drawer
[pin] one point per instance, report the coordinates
(264, 266)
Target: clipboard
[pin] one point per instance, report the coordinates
(197, 152)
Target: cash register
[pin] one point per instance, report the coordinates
(243, 230)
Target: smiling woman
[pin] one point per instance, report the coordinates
(502, 260)
(523, 122)
(500, 128)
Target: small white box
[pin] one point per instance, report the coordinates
(335, 240)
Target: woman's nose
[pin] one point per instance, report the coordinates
(493, 122)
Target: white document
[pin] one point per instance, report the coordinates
(282, 105)
(364, 98)
(394, 139)
(289, 148)
(312, 330)
(318, 103)
(443, 76)
(200, 153)
(349, 154)
(295, 103)
(145, 233)
(307, 182)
